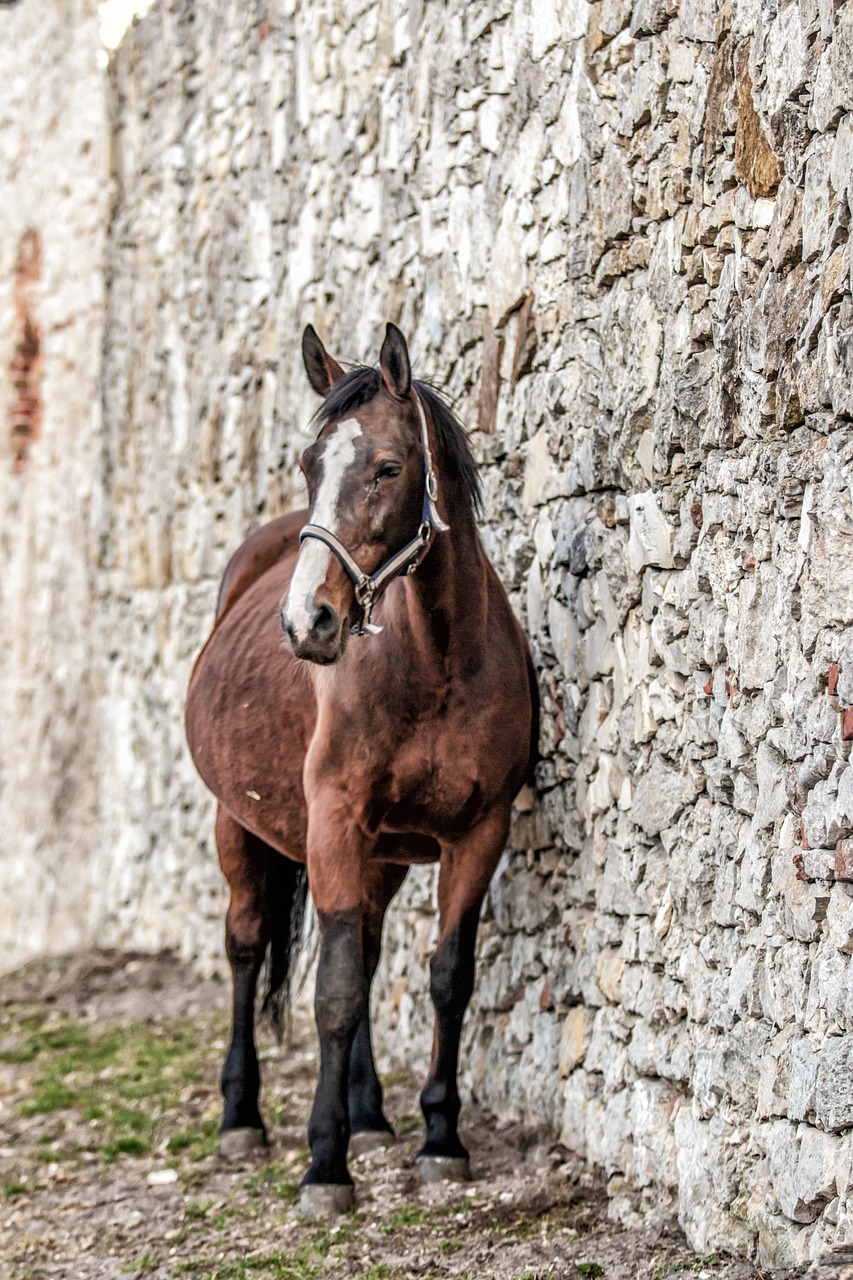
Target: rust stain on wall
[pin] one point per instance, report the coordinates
(756, 163)
(25, 417)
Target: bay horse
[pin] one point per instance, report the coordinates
(395, 728)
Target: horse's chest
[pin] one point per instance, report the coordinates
(433, 789)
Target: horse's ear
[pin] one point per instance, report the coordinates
(323, 371)
(394, 363)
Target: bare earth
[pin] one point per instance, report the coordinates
(108, 1111)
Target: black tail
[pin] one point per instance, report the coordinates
(287, 896)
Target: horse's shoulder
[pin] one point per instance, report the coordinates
(261, 550)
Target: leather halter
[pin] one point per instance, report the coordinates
(406, 560)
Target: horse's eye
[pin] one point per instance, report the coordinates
(387, 471)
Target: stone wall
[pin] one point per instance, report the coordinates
(53, 215)
(618, 235)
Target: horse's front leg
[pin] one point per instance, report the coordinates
(369, 1126)
(466, 868)
(337, 855)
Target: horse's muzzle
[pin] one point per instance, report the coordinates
(320, 641)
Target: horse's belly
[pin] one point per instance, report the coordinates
(406, 848)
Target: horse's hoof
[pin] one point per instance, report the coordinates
(325, 1199)
(370, 1140)
(236, 1144)
(444, 1168)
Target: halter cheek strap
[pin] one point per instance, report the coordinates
(406, 560)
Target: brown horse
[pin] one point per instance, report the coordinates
(357, 757)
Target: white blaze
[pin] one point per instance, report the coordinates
(313, 562)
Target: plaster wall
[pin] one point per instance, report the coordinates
(53, 229)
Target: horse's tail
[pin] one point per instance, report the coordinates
(287, 896)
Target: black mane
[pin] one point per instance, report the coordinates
(362, 383)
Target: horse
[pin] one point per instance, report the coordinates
(392, 724)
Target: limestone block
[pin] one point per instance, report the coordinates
(841, 59)
(785, 52)
(841, 160)
(566, 137)
(506, 281)
(834, 1084)
(816, 199)
(653, 1107)
(839, 919)
(701, 1166)
(574, 1039)
(660, 794)
(578, 1093)
(803, 1168)
(650, 541)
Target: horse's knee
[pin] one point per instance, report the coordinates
(338, 1013)
(246, 933)
(341, 993)
(452, 974)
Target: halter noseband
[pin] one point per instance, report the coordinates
(406, 560)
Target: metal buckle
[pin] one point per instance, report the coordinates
(364, 591)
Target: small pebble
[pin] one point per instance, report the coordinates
(162, 1177)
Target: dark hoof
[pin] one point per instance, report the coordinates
(444, 1168)
(237, 1144)
(325, 1199)
(370, 1140)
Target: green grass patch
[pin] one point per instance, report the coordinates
(199, 1209)
(408, 1124)
(17, 1053)
(124, 1081)
(306, 1262)
(142, 1266)
(277, 1180)
(197, 1140)
(409, 1215)
(591, 1269)
(395, 1077)
(127, 1146)
(663, 1269)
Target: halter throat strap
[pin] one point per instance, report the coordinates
(406, 560)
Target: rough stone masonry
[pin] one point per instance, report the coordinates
(618, 234)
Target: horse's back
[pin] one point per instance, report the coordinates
(261, 551)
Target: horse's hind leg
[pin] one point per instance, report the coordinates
(466, 869)
(244, 860)
(369, 1127)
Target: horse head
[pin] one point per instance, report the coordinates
(372, 497)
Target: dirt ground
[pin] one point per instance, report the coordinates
(108, 1112)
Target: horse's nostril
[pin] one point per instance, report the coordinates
(287, 625)
(326, 623)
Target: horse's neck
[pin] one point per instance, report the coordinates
(446, 599)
